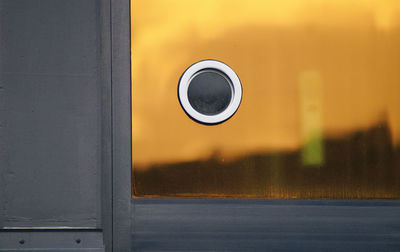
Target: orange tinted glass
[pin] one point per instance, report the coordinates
(320, 113)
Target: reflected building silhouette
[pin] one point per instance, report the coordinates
(360, 165)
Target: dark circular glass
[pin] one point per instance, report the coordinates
(210, 92)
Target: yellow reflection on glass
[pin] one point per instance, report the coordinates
(320, 114)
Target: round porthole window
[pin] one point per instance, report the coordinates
(210, 92)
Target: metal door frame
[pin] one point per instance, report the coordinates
(121, 125)
(122, 210)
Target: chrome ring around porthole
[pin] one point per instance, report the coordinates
(210, 92)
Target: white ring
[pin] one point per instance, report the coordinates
(184, 85)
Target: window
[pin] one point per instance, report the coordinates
(320, 111)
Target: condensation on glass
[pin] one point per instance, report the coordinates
(320, 114)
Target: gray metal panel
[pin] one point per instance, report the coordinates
(106, 131)
(51, 113)
(121, 113)
(57, 250)
(265, 225)
(51, 240)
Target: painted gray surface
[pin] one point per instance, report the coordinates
(51, 240)
(121, 115)
(265, 225)
(106, 130)
(51, 113)
(55, 135)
